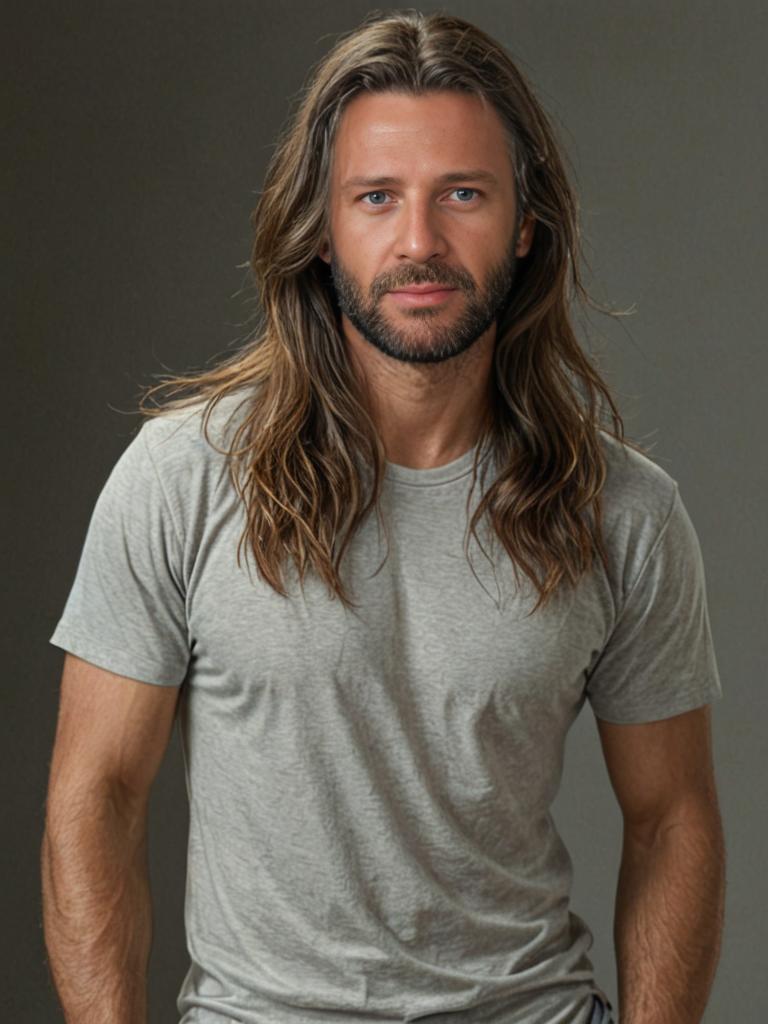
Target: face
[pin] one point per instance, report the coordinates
(422, 193)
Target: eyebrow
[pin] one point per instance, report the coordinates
(478, 174)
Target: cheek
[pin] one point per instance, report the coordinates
(365, 240)
(363, 252)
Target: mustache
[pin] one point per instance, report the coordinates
(439, 279)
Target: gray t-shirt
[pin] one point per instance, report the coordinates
(370, 790)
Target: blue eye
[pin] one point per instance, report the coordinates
(459, 189)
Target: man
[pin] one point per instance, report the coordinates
(373, 728)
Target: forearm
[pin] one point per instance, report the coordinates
(668, 924)
(97, 914)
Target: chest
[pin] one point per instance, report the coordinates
(444, 630)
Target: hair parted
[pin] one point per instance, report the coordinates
(296, 456)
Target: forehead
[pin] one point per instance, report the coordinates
(398, 134)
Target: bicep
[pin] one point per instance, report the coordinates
(661, 771)
(112, 731)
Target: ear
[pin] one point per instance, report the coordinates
(324, 252)
(525, 236)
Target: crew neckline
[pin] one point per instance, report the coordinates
(444, 474)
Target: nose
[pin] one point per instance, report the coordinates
(419, 233)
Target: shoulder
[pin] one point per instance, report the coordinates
(636, 488)
(639, 499)
(180, 460)
(194, 438)
(172, 429)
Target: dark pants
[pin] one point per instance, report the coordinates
(602, 1013)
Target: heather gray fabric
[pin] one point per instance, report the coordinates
(370, 835)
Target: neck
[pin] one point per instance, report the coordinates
(426, 414)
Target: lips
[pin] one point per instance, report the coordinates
(424, 289)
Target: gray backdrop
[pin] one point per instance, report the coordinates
(136, 137)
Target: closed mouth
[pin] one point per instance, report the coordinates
(426, 290)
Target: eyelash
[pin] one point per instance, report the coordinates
(382, 192)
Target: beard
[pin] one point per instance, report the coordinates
(425, 334)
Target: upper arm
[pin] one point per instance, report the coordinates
(662, 771)
(112, 732)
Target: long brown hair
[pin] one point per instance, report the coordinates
(297, 455)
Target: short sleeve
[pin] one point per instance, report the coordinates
(126, 608)
(659, 660)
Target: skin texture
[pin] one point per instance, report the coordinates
(670, 896)
(111, 735)
(427, 369)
